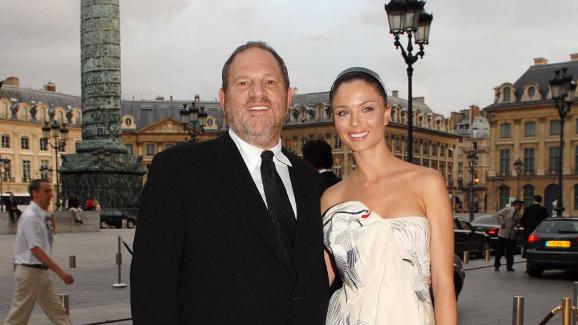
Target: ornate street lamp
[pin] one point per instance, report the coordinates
(518, 165)
(59, 134)
(563, 88)
(3, 163)
(407, 16)
(473, 164)
(193, 119)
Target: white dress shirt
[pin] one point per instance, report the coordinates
(252, 157)
(32, 232)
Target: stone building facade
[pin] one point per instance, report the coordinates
(525, 125)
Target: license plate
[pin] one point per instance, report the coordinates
(558, 243)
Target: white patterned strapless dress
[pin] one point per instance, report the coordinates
(384, 264)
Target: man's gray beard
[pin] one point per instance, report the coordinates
(263, 139)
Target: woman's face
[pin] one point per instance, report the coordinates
(360, 115)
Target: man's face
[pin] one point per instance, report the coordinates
(43, 196)
(256, 98)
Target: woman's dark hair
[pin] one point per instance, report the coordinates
(359, 73)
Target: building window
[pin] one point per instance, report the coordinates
(150, 149)
(44, 173)
(554, 160)
(26, 171)
(78, 118)
(529, 159)
(528, 194)
(43, 144)
(25, 143)
(531, 92)
(530, 129)
(505, 130)
(7, 172)
(555, 127)
(576, 197)
(576, 160)
(129, 147)
(504, 197)
(505, 162)
(5, 141)
(507, 94)
(337, 142)
(460, 167)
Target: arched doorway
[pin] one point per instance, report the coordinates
(550, 195)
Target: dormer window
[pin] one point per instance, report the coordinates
(531, 92)
(507, 94)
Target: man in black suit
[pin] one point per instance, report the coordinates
(533, 215)
(230, 229)
(318, 153)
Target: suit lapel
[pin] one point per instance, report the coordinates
(244, 194)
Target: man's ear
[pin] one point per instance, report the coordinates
(290, 93)
(222, 99)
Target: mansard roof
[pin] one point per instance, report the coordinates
(28, 95)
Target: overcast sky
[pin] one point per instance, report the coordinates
(177, 47)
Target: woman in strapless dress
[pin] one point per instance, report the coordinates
(388, 228)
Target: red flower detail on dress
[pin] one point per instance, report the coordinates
(364, 216)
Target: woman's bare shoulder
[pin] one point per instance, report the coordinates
(333, 195)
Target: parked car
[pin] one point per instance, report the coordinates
(467, 238)
(553, 245)
(488, 224)
(114, 217)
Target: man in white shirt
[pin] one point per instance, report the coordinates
(32, 259)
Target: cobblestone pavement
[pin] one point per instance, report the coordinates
(485, 299)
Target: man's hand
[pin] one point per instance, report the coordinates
(66, 277)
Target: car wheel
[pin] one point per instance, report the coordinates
(485, 247)
(103, 225)
(130, 224)
(534, 271)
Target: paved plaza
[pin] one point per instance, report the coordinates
(485, 299)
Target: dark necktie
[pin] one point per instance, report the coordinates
(278, 205)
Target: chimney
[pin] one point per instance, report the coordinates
(540, 61)
(573, 57)
(419, 99)
(171, 98)
(12, 81)
(50, 86)
(395, 93)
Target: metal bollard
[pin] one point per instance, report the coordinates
(72, 261)
(466, 257)
(566, 311)
(119, 284)
(518, 311)
(65, 302)
(575, 300)
(488, 255)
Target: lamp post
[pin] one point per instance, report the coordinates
(193, 119)
(59, 134)
(409, 17)
(563, 89)
(473, 164)
(3, 163)
(518, 164)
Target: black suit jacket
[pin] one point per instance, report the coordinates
(330, 178)
(532, 217)
(205, 250)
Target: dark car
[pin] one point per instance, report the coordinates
(114, 217)
(553, 245)
(468, 239)
(489, 225)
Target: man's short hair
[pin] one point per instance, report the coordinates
(249, 45)
(318, 153)
(35, 185)
(538, 198)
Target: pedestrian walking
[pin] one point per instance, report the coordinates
(508, 219)
(533, 215)
(32, 258)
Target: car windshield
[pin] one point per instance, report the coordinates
(487, 219)
(558, 226)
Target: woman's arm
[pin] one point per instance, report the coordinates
(438, 212)
(329, 263)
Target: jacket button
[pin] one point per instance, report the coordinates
(296, 298)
